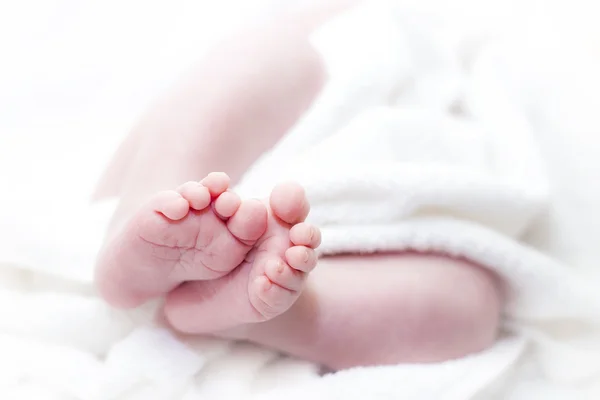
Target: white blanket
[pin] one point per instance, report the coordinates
(423, 139)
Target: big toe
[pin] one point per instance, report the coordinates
(289, 203)
(249, 222)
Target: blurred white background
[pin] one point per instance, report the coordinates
(75, 74)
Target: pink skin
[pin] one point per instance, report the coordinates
(244, 268)
(251, 258)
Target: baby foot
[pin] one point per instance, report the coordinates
(266, 283)
(177, 237)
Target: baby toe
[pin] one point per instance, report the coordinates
(249, 222)
(301, 258)
(171, 204)
(289, 203)
(270, 299)
(304, 234)
(283, 275)
(196, 194)
(227, 204)
(216, 182)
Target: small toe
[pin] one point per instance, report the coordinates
(196, 194)
(270, 299)
(216, 182)
(301, 258)
(304, 234)
(249, 223)
(283, 275)
(289, 203)
(171, 204)
(227, 204)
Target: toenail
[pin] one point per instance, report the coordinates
(306, 256)
(279, 267)
(275, 267)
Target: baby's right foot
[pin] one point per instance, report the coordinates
(178, 237)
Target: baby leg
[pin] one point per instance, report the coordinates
(387, 309)
(233, 106)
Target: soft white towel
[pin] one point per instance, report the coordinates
(423, 139)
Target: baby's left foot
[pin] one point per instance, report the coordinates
(265, 285)
(201, 231)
